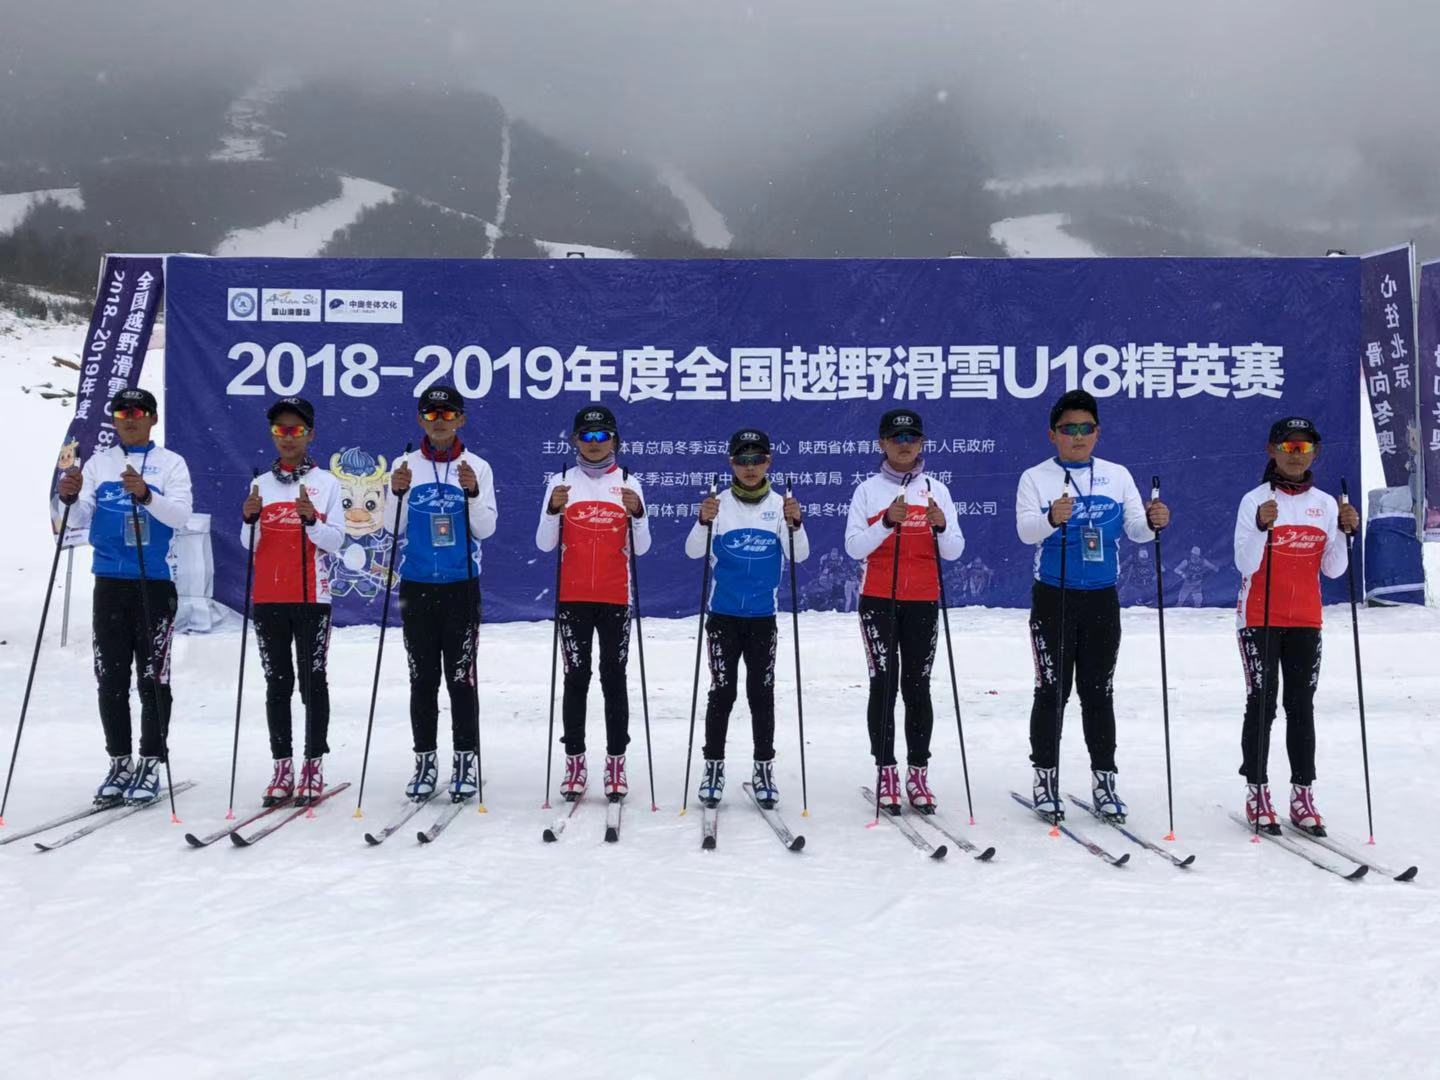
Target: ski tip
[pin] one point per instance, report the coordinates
(940, 852)
(422, 837)
(797, 845)
(193, 840)
(1408, 875)
(238, 840)
(1186, 861)
(1121, 860)
(371, 840)
(986, 855)
(1358, 873)
(707, 844)
(549, 836)
(40, 847)
(611, 836)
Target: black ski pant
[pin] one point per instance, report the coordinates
(306, 629)
(1295, 660)
(731, 638)
(1091, 645)
(122, 640)
(442, 632)
(580, 623)
(911, 628)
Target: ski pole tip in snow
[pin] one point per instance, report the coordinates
(357, 815)
(230, 814)
(175, 819)
(1054, 830)
(1170, 837)
(804, 813)
(654, 809)
(481, 809)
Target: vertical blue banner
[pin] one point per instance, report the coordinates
(1388, 359)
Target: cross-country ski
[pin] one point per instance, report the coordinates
(234, 826)
(395, 824)
(240, 839)
(791, 840)
(1182, 862)
(907, 830)
(108, 817)
(1080, 838)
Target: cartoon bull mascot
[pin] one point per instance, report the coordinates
(361, 565)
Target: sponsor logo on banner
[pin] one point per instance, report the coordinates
(364, 306)
(289, 305)
(242, 305)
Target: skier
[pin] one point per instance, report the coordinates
(116, 481)
(747, 521)
(1088, 524)
(296, 513)
(899, 603)
(1304, 526)
(450, 509)
(1193, 571)
(601, 506)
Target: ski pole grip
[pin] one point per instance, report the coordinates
(1344, 491)
(1154, 487)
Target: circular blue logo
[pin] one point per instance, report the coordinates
(242, 305)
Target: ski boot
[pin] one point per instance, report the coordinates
(890, 790)
(422, 784)
(145, 783)
(312, 782)
(1046, 794)
(463, 783)
(917, 789)
(1104, 798)
(762, 779)
(282, 783)
(111, 791)
(1258, 808)
(712, 783)
(616, 786)
(576, 777)
(1303, 814)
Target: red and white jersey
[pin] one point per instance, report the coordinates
(595, 561)
(278, 578)
(1308, 542)
(868, 538)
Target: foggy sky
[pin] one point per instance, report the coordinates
(1234, 87)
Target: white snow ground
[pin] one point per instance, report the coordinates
(16, 206)
(303, 234)
(1040, 236)
(491, 954)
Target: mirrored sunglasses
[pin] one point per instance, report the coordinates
(595, 436)
(441, 414)
(1295, 446)
(130, 412)
(746, 461)
(288, 431)
(906, 438)
(1085, 427)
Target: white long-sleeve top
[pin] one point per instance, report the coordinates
(748, 546)
(870, 539)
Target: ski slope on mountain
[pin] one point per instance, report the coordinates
(16, 206)
(490, 953)
(305, 234)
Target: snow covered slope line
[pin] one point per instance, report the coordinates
(707, 224)
(304, 234)
(14, 207)
(1040, 236)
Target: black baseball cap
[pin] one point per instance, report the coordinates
(297, 405)
(595, 418)
(135, 397)
(442, 397)
(1292, 426)
(900, 422)
(746, 438)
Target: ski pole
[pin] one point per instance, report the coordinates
(1060, 694)
(950, 659)
(1263, 718)
(1359, 678)
(304, 661)
(244, 635)
(35, 659)
(474, 589)
(795, 636)
(1164, 678)
(554, 648)
(640, 641)
(380, 650)
(162, 706)
(892, 661)
(699, 640)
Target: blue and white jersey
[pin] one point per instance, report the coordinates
(1107, 505)
(747, 554)
(104, 504)
(432, 527)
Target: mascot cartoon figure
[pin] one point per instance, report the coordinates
(361, 565)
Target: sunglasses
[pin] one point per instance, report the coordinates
(441, 414)
(130, 412)
(745, 461)
(906, 438)
(288, 431)
(1085, 427)
(596, 436)
(1295, 446)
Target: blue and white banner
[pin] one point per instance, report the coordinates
(1429, 404)
(1191, 360)
(1388, 358)
(126, 304)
